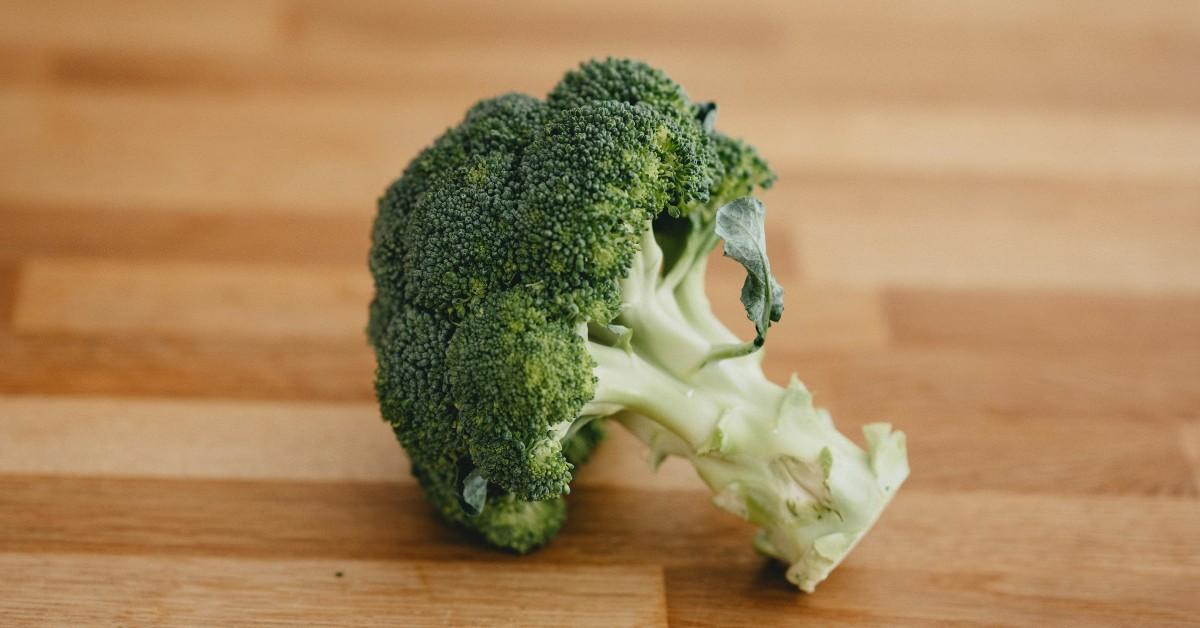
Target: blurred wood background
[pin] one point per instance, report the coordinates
(988, 224)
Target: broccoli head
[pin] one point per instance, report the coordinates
(539, 269)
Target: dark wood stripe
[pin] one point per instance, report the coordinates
(188, 367)
(248, 236)
(342, 520)
(922, 530)
(8, 293)
(893, 385)
(1056, 321)
(900, 597)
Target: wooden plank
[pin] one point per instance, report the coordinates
(198, 439)
(214, 151)
(168, 438)
(1044, 454)
(995, 234)
(816, 319)
(1096, 535)
(337, 442)
(140, 364)
(1018, 51)
(139, 234)
(340, 520)
(977, 141)
(230, 301)
(142, 590)
(852, 59)
(374, 25)
(861, 385)
(859, 51)
(1105, 56)
(336, 151)
(1190, 432)
(142, 24)
(1032, 320)
(21, 107)
(895, 385)
(8, 294)
(986, 225)
(1023, 535)
(23, 66)
(857, 596)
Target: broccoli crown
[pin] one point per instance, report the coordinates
(495, 247)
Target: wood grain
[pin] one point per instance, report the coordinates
(907, 382)
(997, 233)
(144, 364)
(127, 233)
(346, 441)
(1191, 447)
(986, 222)
(201, 439)
(1032, 321)
(202, 591)
(195, 300)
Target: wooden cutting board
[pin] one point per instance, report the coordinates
(988, 225)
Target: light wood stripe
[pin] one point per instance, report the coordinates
(996, 234)
(82, 589)
(978, 141)
(339, 442)
(337, 151)
(253, 440)
(333, 153)
(142, 24)
(197, 439)
(1102, 56)
(838, 64)
(268, 302)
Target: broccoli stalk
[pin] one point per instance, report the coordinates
(767, 453)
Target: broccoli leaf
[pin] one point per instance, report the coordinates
(741, 224)
(706, 115)
(474, 493)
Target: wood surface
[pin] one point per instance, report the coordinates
(987, 221)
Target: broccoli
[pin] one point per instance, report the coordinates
(539, 269)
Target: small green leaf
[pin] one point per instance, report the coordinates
(474, 493)
(706, 115)
(741, 224)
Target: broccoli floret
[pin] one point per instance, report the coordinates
(512, 370)
(540, 269)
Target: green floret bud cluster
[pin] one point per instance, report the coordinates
(539, 270)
